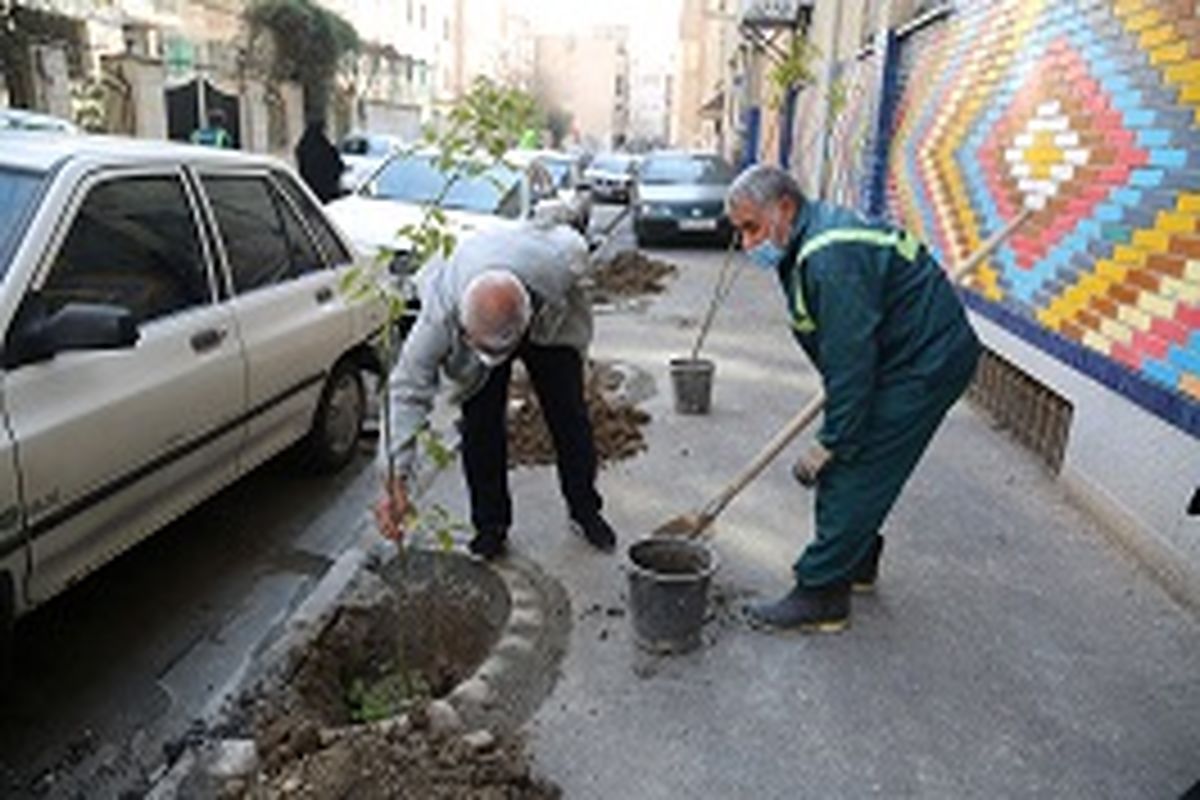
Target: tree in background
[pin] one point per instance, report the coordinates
(21, 29)
(308, 44)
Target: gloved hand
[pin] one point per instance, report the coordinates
(393, 510)
(810, 465)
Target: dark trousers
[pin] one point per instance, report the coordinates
(557, 377)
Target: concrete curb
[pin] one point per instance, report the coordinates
(502, 693)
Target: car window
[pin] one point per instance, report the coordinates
(416, 179)
(18, 190)
(265, 243)
(331, 247)
(685, 169)
(560, 172)
(540, 182)
(133, 244)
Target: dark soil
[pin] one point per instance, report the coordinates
(630, 273)
(308, 731)
(616, 423)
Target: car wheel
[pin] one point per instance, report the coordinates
(337, 425)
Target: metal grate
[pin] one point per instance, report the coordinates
(1030, 411)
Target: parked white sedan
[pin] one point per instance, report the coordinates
(400, 189)
(171, 320)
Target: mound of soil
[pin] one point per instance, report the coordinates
(616, 423)
(630, 273)
(402, 762)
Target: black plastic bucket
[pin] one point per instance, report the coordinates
(692, 381)
(668, 593)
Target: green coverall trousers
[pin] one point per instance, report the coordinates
(854, 496)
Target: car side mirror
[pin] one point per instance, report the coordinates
(38, 336)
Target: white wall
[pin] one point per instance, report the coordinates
(1125, 464)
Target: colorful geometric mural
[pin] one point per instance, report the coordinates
(1088, 110)
(851, 137)
(807, 139)
(851, 142)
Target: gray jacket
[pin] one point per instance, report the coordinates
(549, 261)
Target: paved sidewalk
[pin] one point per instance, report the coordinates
(1010, 651)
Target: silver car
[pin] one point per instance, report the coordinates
(609, 176)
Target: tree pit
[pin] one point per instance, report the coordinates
(358, 715)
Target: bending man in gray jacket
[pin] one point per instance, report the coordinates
(502, 295)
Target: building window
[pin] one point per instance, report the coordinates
(423, 16)
(409, 12)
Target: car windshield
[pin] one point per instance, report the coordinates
(416, 179)
(559, 170)
(18, 190)
(686, 169)
(611, 163)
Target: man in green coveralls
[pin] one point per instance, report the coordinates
(885, 328)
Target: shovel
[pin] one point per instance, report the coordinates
(697, 522)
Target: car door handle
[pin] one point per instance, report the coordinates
(207, 339)
(323, 295)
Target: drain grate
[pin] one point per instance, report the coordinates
(1035, 415)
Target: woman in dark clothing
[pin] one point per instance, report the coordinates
(320, 164)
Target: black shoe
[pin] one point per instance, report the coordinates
(597, 531)
(489, 543)
(867, 571)
(823, 610)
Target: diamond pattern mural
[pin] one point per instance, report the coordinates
(1089, 111)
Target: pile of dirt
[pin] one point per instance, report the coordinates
(410, 760)
(628, 274)
(616, 423)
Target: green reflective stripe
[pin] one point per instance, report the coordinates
(801, 320)
(905, 244)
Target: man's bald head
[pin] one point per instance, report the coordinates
(494, 311)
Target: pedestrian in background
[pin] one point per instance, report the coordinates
(885, 328)
(503, 295)
(319, 162)
(214, 133)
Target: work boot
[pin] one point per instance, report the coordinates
(866, 572)
(821, 610)
(597, 531)
(489, 543)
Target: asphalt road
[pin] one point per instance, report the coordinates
(111, 674)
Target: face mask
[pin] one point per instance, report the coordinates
(765, 255)
(492, 359)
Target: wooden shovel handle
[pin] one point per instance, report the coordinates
(765, 456)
